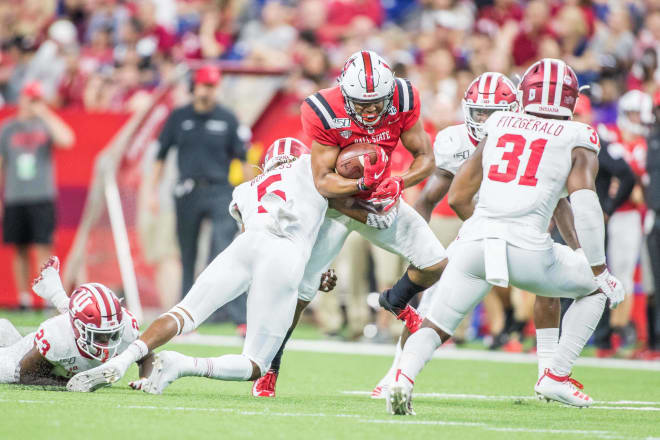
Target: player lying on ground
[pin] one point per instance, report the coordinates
(505, 239)
(487, 94)
(369, 105)
(91, 328)
(281, 214)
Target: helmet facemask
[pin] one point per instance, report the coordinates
(476, 115)
(100, 344)
(373, 120)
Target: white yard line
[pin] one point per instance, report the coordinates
(358, 348)
(500, 398)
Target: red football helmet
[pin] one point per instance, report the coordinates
(96, 318)
(283, 150)
(488, 93)
(549, 87)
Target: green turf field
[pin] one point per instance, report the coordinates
(313, 403)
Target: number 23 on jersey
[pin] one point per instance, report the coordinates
(511, 158)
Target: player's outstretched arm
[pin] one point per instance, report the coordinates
(328, 183)
(37, 370)
(434, 190)
(466, 184)
(417, 141)
(378, 220)
(563, 217)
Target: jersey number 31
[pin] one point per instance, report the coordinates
(512, 159)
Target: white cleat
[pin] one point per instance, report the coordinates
(398, 396)
(165, 372)
(562, 389)
(381, 389)
(91, 380)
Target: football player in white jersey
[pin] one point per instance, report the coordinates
(524, 165)
(488, 93)
(281, 213)
(91, 328)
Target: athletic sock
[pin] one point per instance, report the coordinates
(403, 291)
(277, 360)
(395, 365)
(133, 353)
(228, 367)
(577, 327)
(547, 340)
(418, 351)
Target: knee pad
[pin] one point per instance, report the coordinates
(178, 313)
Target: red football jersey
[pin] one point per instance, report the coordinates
(325, 120)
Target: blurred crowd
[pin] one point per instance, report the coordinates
(102, 55)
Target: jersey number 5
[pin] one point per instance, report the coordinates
(512, 159)
(262, 190)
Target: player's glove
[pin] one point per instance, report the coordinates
(611, 287)
(389, 190)
(328, 281)
(382, 221)
(48, 284)
(373, 173)
(138, 384)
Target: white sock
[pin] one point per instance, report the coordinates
(579, 324)
(418, 351)
(546, 345)
(133, 353)
(395, 364)
(227, 367)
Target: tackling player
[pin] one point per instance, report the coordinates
(281, 214)
(369, 105)
(91, 329)
(505, 240)
(488, 93)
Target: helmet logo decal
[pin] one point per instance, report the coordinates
(80, 302)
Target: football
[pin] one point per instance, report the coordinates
(350, 162)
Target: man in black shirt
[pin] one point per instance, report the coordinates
(208, 137)
(653, 238)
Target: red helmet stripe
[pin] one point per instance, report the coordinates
(559, 87)
(287, 146)
(495, 80)
(368, 70)
(482, 86)
(102, 305)
(545, 89)
(105, 305)
(487, 84)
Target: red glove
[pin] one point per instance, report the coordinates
(373, 173)
(389, 191)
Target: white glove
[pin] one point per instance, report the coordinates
(611, 287)
(49, 286)
(382, 221)
(138, 384)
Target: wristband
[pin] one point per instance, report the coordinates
(361, 186)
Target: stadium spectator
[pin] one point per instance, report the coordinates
(207, 137)
(26, 163)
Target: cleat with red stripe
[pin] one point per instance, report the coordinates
(265, 385)
(398, 396)
(562, 389)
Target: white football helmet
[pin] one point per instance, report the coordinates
(635, 101)
(365, 79)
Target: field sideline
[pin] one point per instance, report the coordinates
(325, 396)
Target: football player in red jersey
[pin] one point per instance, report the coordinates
(369, 105)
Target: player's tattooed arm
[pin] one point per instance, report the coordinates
(37, 370)
(435, 189)
(563, 217)
(328, 183)
(418, 142)
(466, 184)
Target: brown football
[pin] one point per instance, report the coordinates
(350, 161)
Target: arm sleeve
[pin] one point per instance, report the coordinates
(313, 127)
(444, 150)
(411, 117)
(167, 136)
(589, 225)
(240, 136)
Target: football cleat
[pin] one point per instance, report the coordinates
(164, 373)
(91, 380)
(398, 396)
(562, 389)
(265, 385)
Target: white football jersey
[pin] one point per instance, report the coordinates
(283, 201)
(56, 341)
(452, 147)
(526, 161)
